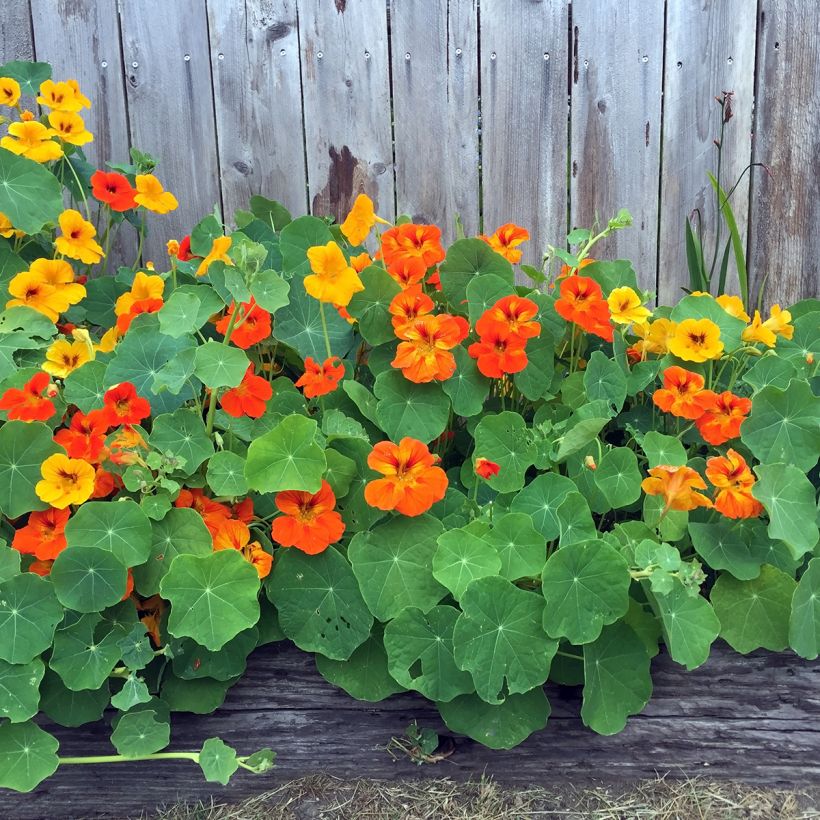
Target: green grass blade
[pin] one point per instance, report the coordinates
(737, 245)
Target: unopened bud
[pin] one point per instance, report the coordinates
(26, 116)
(810, 358)
(589, 463)
(52, 391)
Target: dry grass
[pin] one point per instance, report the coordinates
(327, 798)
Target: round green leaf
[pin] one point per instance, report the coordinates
(194, 661)
(618, 477)
(213, 597)
(467, 260)
(294, 240)
(689, 626)
(586, 586)
(370, 306)
(499, 640)
(217, 761)
(269, 290)
(504, 439)
(180, 314)
(9, 562)
(85, 386)
(605, 380)
(30, 195)
(535, 380)
(340, 472)
(85, 653)
(467, 388)
(728, 544)
(119, 527)
(66, 707)
(200, 696)
(519, 545)
(420, 411)
(220, 365)
(24, 446)
(28, 755)
(226, 474)
(182, 434)
(464, 555)
(661, 449)
(88, 579)
(540, 500)
(804, 623)
(29, 614)
(134, 691)
(19, 689)
(575, 522)
(140, 733)
(483, 292)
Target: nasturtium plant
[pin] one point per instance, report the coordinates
(434, 469)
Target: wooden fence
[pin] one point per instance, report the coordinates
(542, 112)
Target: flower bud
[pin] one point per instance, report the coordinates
(589, 463)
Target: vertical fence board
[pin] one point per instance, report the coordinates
(345, 82)
(785, 243)
(710, 48)
(435, 105)
(524, 118)
(257, 96)
(617, 73)
(170, 104)
(15, 32)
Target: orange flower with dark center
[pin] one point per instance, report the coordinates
(29, 403)
(122, 405)
(243, 510)
(506, 239)
(499, 352)
(44, 534)
(406, 271)
(113, 189)
(486, 468)
(420, 245)
(407, 306)
(360, 262)
(677, 485)
(734, 481)
(582, 302)
(319, 380)
(213, 513)
(515, 313)
(85, 436)
(682, 393)
(424, 355)
(249, 398)
(309, 521)
(412, 482)
(722, 417)
(252, 326)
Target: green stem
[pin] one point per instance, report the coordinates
(569, 655)
(80, 188)
(209, 422)
(139, 246)
(71, 761)
(324, 330)
(107, 243)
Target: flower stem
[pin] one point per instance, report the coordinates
(80, 188)
(70, 761)
(209, 422)
(324, 330)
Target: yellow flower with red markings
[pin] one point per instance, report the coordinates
(65, 481)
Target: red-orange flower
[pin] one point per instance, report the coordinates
(682, 393)
(184, 253)
(515, 313)
(677, 485)
(248, 398)
(243, 510)
(253, 325)
(104, 483)
(506, 241)
(566, 270)
(407, 306)
(41, 568)
(44, 534)
(424, 355)
(318, 380)
(85, 436)
(486, 468)
(582, 302)
(114, 190)
(234, 534)
(434, 280)
(213, 513)
(412, 482)
(734, 481)
(419, 245)
(406, 271)
(309, 521)
(122, 405)
(136, 309)
(499, 351)
(722, 417)
(29, 403)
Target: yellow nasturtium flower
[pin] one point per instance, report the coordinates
(151, 195)
(58, 273)
(31, 140)
(77, 240)
(144, 286)
(66, 481)
(733, 305)
(217, 253)
(333, 279)
(9, 91)
(626, 307)
(62, 96)
(109, 340)
(64, 357)
(696, 340)
(70, 127)
(767, 332)
(7, 230)
(360, 220)
(29, 290)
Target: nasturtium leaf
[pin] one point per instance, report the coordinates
(30, 75)
(269, 290)
(645, 625)
(194, 661)
(88, 579)
(467, 388)
(203, 234)
(661, 449)
(783, 426)
(364, 400)
(101, 298)
(788, 496)
(540, 500)
(499, 640)
(586, 586)
(134, 691)
(612, 273)
(200, 696)
(217, 761)
(358, 515)
(340, 472)
(213, 597)
(803, 349)
(182, 434)
(462, 556)
(618, 477)
(220, 365)
(84, 386)
(29, 614)
(804, 623)
(574, 520)
(501, 726)
(226, 474)
(504, 439)
(754, 614)
(180, 532)
(28, 755)
(420, 411)
(380, 359)
(30, 195)
(392, 564)
(728, 544)
(320, 606)
(420, 653)
(604, 380)
(617, 682)
(701, 307)
(286, 458)
(24, 446)
(294, 240)
(769, 371)
(469, 259)
(535, 379)
(583, 428)
(483, 292)
(689, 625)
(370, 306)
(140, 733)
(66, 707)
(641, 376)
(119, 527)
(364, 675)
(19, 689)
(136, 649)
(176, 373)
(9, 562)
(521, 548)
(83, 656)
(335, 424)
(180, 314)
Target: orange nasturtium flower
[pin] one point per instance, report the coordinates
(722, 417)
(64, 357)
(498, 352)
(217, 253)
(9, 91)
(407, 306)
(486, 468)
(682, 394)
(77, 240)
(514, 313)
(309, 521)
(253, 325)
(152, 196)
(506, 239)
(31, 403)
(33, 141)
(412, 482)
(65, 481)
(145, 287)
(62, 96)
(424, 354)
(69, 127)
(122, 405)
(626, 307)
(677, 485)
(234, 534)
(696, 340)
(581, 301)
(319, 380)
(333, 280)
(734, 481)
(249, 398)
(85, 436)
(418, 245)
(406, 271)
(44, 534)
(360, 262)
(360, 220)
(213, 513)
(114, 190)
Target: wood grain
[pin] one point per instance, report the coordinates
(524, 118)
(617, 74)
(15, 32)
(435, 104)
(753, 719)
(785, 202)
(346, 93)
(710, 48)
(257, 100)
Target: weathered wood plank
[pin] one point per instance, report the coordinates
(710, 48)
(435, 105)
(754, 718)
(524, 118)
(785, 243)
(617, 73)
(15, 32)
(346, 93)
(257, 99)
(170, 106)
